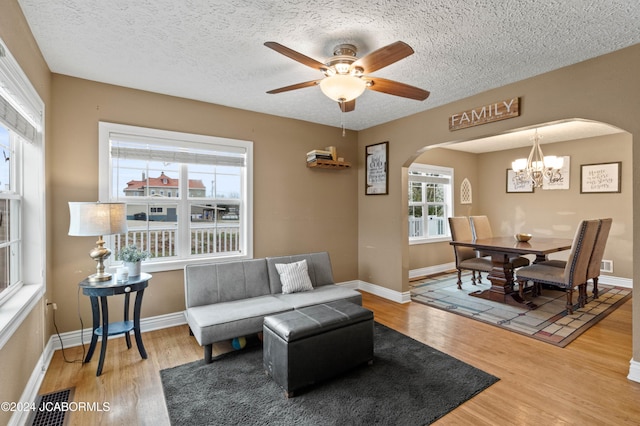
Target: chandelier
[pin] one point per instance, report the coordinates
(537, 167)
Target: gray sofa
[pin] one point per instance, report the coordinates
(228, 300)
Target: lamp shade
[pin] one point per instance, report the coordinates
(342, 88)
(94, 219)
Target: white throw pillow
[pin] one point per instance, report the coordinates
(294, 277)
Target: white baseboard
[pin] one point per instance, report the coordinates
(436, 269)
(30, 392)
(394, 296)
(431, 270)
(615, 281)
(79, 337)
(634, 371)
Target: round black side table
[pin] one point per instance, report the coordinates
(101, 326)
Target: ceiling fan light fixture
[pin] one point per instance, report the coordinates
(342, 88)
(342, 67)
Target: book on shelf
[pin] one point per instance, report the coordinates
(312, 158)
(318, 154)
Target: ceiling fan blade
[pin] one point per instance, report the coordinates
(347, 106)
(384, 56)
(295, 86)
(391, 87)
(296, 56)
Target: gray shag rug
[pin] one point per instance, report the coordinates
(409, 383)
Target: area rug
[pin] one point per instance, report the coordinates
(409, 383)
(549, 322)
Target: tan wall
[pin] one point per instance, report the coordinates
(21, 353)
(296, 209)
(598, 89)
(543, 212)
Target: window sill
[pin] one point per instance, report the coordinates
(14, 311)
(416, 241)
(174, 265)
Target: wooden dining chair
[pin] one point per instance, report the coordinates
(482, 229)
(574, 274)
(466, 257)
(593, 271)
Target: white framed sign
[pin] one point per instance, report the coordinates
(560, 179)
(376, 163)
(516, 185)
(599, 178)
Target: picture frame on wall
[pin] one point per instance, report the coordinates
(561, 178)
(600, 178)
(513, 185)
(377, 169)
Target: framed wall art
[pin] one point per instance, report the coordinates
(514, 185)
(560, 178)
(600, 178)
(376, 169)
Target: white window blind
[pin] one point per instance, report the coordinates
(188, 156)
(15, 121)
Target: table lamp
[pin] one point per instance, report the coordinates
(95, 219)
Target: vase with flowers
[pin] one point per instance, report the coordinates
(132, 256)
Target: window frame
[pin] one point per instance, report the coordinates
(184, 203)
(17, 303)
(448, 204)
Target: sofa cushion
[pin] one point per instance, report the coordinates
(294, 277)
(323, 294)
(223, 282)
(318, 264)
(223, 321)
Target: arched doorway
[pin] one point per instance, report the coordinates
(484, 163)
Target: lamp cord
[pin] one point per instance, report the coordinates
(64, 356)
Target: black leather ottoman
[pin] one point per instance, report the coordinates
(308, 345)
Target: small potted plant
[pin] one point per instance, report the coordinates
(131, 256)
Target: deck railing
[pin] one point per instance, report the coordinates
(205, 239)
(436, 226)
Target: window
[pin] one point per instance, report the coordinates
(188, 196)
(430, 202)
(22, 200)
(10, 210)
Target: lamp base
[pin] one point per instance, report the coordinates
(98, 278)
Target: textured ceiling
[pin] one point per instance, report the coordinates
(212, 50)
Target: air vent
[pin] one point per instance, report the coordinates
(49, 411)
(606, 266)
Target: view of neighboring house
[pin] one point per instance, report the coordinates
(162, 186)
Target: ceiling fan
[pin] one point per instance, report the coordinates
(346, 77)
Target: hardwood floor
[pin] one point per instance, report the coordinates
(584, 383)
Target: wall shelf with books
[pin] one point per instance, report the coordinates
(326, 159)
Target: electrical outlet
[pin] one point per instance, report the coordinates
(47, 304)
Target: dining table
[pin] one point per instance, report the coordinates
(501, 249)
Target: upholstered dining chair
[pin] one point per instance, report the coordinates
(593, 271)
(574, 274)
(482, 229)
(466, 257)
